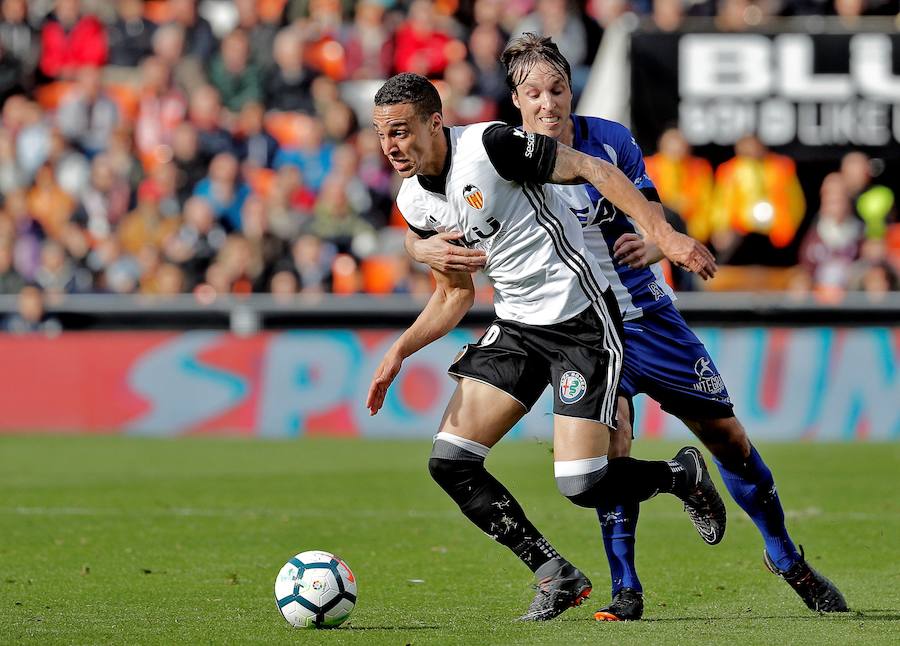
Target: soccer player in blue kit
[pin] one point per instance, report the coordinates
(663, 357)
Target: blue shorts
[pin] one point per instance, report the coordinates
(665, 360)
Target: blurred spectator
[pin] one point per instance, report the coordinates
(311, 261)
(223, 189)
(11, 281)
(462, 105)
(31, 318)
(105, 201)
(256, 148)
(18, 39)
(205, 114)
(145, 225)
(287, 86)
(29, 234)
(284, 285)
(337, 222)
(168, 281)
(833, 242)
(684, 182)
(55, 274)
(70, 41)
(289, 203)
(757, 205)
(12, 77)
(232, 73)
(88, 115)
(168, 45)
(194, 245)
(236, 267)
(560, 20)
(11, 176)
(313, 157)
(367, 42)
(874, 204)
(199, 39)
(116, 272)
(261, 27)
(265, 245)
(190, 167)
(161, 108)
(32, 132)
(668, 15)
(130, 35)
(486, 42)
(49, 203)
(421, 45)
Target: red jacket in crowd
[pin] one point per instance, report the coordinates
(65, 51)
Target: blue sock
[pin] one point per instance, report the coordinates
(753, 488)
(618, 525)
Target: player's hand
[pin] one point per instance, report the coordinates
(384, 375)
(438, 253)
(689, 254)
(635, 251)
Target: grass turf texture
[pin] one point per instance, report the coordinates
(126, 540)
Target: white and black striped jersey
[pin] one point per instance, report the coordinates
(492, 191)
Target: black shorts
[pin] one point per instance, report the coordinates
(581, 357)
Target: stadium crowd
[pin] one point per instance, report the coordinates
(168, 146)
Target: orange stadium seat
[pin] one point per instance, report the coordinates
(49, 96)
(260, 180)
(379, 274)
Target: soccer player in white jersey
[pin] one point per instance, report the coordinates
(663, 357)
(557, 323)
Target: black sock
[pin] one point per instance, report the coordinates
(631, 480)
(490, 506)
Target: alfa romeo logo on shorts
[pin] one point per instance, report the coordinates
(572, 387)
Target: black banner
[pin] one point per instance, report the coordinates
(810, 96)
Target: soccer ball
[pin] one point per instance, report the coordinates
(315, 589)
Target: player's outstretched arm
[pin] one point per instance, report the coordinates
(574, 166)
(453, 296)
(439, 253)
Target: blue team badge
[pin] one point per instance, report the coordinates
(572, 387)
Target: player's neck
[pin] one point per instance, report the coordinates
(438, 158)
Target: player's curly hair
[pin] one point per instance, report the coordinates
(526, 51)
(413, 89)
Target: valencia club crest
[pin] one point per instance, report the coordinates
(474, 196)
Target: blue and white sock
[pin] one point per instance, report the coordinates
(753, 488)
(619, 524)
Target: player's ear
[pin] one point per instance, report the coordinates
(515, 99)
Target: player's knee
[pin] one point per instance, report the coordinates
(586, 488)
(442, 471)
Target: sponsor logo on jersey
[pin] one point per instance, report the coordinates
(473, 196)
(710, 382)
(572, 387)
(529, 148)
(657, 291)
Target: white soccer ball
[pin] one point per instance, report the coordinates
(315, 589)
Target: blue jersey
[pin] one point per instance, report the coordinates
(637, 291)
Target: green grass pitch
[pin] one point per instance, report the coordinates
(117, 540)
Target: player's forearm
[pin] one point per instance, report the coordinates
(444, 311)
(573, 166)
(410, 244)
